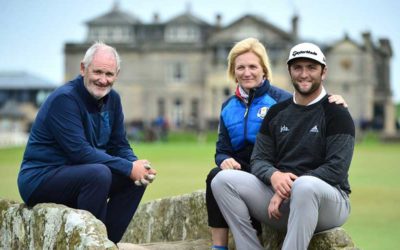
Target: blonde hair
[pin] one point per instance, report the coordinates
(249, 45)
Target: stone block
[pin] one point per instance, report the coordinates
(184, 218)
(50, 226)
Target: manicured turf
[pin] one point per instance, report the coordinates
(182, 168)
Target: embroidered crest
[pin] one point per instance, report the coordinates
(262, 112)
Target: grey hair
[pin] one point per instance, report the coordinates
(88, 58)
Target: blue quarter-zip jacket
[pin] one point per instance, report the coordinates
(240, 123)
(73, 128)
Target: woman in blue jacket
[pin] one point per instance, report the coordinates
(240, 119)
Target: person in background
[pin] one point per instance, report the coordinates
(77, 153)
(299, 165)
(240, 119)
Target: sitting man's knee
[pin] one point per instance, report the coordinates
(220, 179)
(229, 179)
(101, 173)
(305, 185)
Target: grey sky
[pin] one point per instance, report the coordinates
(33, 33)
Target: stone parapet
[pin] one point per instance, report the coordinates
(184, 218)
(50, 226)
(178, 223)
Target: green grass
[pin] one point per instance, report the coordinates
(182, 168)
(375, 219)
(10, 159)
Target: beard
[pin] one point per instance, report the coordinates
(94, 90)
(314, 87)
(102, 94)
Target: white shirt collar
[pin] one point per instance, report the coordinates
(321, 95)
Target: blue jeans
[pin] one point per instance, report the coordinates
(110, 197)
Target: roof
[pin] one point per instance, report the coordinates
(346, 38)
(11, 110)
(186, 18)
(265, 31)
(24, 80)
(263, 22)
(115, 16)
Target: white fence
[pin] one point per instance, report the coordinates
(12, 139)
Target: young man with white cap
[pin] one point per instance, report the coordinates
(299, 166)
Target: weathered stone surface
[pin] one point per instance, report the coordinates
(201, 244)
(178, 223)
(333, 239)
(50, 226)
(184, 218)
(170, 219)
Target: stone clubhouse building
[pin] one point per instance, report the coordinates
(177, 68)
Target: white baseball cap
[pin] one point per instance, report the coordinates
(307, 50)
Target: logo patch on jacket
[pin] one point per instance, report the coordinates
(262, 112)
(314, 129)
(284, 129)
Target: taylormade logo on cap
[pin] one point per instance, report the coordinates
(307, 50)
(295, 53)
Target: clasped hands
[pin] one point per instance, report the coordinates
(282, 185)
(142, 173)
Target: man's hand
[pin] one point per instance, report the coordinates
(142, 173)
(273, 208)
(230, 163)
(282, 183)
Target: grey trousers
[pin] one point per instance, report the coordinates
(314, 206)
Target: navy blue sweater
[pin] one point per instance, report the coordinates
(73, 128)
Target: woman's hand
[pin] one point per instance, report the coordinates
(338, 99)
(230, 163)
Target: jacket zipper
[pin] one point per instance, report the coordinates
(248, 104)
